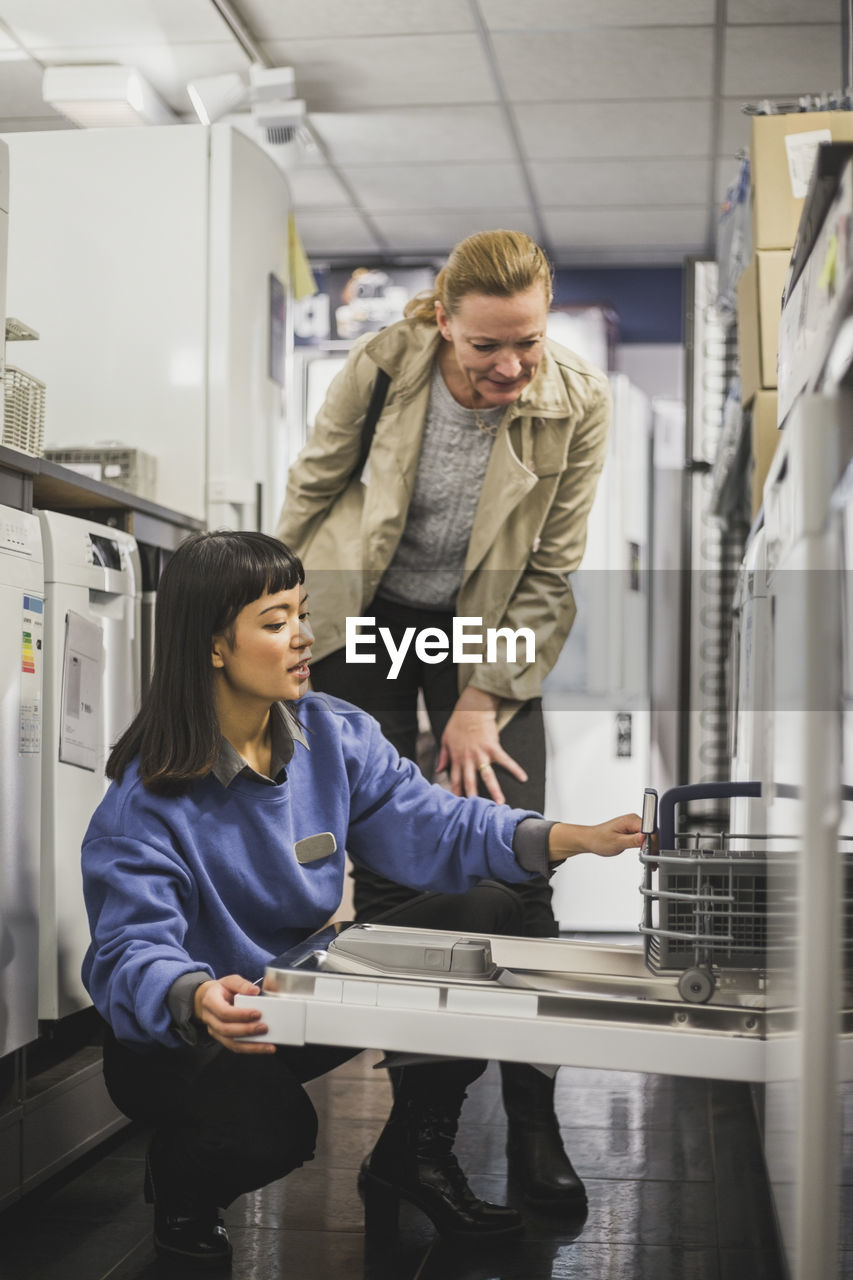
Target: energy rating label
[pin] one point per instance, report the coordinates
(32, 654)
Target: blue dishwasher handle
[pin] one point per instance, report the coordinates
(696, 791)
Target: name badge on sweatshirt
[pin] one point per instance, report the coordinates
(313, 848)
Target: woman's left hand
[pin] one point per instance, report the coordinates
(470, 746)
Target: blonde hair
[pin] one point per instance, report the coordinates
(498, 264)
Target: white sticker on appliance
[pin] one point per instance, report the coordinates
(32, 654)
(82, 680)
(802, 152)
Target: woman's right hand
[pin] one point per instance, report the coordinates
(213, 1004)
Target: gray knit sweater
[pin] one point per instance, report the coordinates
(427, 567)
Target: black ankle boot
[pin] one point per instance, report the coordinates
(536, 1161)
(184, 1230)
(414, 1161)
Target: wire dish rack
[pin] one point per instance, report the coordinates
(23, 411)
(707, 912)
(113, 463)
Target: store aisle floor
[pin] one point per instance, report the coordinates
(673, 1168)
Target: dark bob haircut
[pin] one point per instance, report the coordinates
(206, 583)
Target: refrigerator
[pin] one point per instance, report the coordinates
(154, 264)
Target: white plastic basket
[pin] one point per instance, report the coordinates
(23, 411)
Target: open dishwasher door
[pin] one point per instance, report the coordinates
(549, 1001)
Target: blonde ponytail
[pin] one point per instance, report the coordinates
(498, 264)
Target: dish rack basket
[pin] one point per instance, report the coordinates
(23, 411)
(708, 910)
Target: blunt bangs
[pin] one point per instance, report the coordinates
(217, 574)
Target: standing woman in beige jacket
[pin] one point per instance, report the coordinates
(473, 504)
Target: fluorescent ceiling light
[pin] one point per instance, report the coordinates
(216, 96)
(104, 96)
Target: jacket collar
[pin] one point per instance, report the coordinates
(406, 351)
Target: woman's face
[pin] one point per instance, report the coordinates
(268, 659)
(497, 343)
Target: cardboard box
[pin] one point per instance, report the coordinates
(764, 437)
(781, 155)
(759, 307)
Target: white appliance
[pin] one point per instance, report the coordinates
(595, 701)
(4, 239)
(154, 263)
(92, 684)
(313, 371)
(751, 687)
(808, 1057)
(550, 1001)
(21, 740)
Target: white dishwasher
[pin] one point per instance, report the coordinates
(21, 658)
(92, 688)
(545, 1000)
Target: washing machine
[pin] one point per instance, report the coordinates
(92, 677)
(21, 658)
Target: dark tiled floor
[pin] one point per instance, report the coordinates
(673, 1169)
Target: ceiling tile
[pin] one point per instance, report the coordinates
(557, 15)
(9, 48)
(563, 130)
(46, 24)
(461, 186)
(678, 230)
(316, 188)
(761, 12)
(580, 183)
(295, 20)
(340, 75)
(667, 62)
(781, 61)
(415, 133)
(428, 232)
(335, 234)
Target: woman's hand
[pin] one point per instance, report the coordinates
(213, 1004)
(470, 746)
(606, 839)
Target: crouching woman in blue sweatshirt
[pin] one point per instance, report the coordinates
(193, 880)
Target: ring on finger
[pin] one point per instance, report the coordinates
(483, 767)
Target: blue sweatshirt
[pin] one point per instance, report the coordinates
(209, 882)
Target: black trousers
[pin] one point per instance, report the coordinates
(227, 1123)
(394, 703)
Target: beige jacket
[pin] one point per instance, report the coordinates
(530, 526)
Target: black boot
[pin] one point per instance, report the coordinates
(536, 1162)
(185, 1230)
(413, 1160)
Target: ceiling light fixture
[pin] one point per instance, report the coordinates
(268, 96)
(96, 97)
(216, 96)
